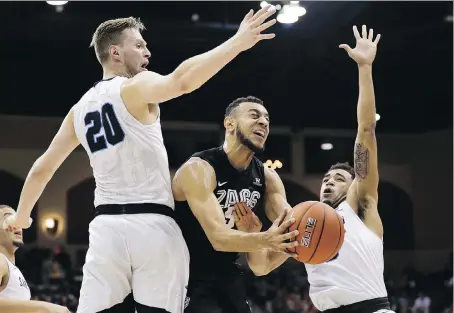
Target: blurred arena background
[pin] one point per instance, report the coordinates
(309, 87)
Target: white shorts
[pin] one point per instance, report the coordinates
(143, 253)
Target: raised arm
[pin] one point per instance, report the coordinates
(149, 87)
(363, 193)
(265, 261)
(64, 142)
(196, 179)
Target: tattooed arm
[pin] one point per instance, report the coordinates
(365, 153)
(363, 193)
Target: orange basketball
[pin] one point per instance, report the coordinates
(321, 232)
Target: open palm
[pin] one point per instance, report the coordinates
(365, 49)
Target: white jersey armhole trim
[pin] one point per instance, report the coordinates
(9, 271)
(130, 116)
(356, 215)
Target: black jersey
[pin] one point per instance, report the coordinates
(232, 186)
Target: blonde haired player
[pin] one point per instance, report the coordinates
(136, 247)
(14, 291)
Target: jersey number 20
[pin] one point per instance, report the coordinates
(103, 128)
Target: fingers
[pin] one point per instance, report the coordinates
(288, 236)
(280, 218)
(248, 16)
(364, 31)
(244, 209)
(356, 33)
(263, 14)
(371, 34)
(377, 39)
(265, 36)
(283, 227)
(285, 246)
(262, 18)
(345, 47)
(266, 25)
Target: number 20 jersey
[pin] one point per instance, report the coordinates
(128, 158)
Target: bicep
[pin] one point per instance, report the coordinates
(64, 142)
(197, 180)
(150, 87)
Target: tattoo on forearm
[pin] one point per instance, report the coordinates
(361, 161)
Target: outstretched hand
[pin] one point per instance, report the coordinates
(252, 25)
(365, 49)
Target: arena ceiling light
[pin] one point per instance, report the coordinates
(377, 117)
(327, 146)
(56, 2)
(273, 165)
(290, 13)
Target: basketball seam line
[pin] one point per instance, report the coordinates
(338, 240)
(299, 223)
(321, 233)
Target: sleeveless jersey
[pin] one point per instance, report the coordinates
(128, 158)
(356, 273)
(232, 186)
(17, 287)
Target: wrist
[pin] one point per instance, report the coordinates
(234, 44)
(365, 66)
(262, 240)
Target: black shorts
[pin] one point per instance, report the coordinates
(220, 295)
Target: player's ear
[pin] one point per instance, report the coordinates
(229, 124)
(114, 52)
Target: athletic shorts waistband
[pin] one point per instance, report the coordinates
(367, 306)
(134, 208)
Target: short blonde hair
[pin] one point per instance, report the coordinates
(109, 33)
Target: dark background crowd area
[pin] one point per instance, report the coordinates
(54, 277)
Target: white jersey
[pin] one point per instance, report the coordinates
(128, 158)
(356, 274)
(17, 287)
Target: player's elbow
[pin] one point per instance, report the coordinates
(367, 127)
(42, 169)
(181, 84)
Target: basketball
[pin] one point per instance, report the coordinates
(321, 232)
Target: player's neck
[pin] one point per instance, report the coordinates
(112, 71)
(239, 156)
(9, 254)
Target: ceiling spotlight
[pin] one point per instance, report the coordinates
(49, 223)
(195, 17)
(377, 116)
(286, 17)
(326, 146)
(56, 2)
(297, 9)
